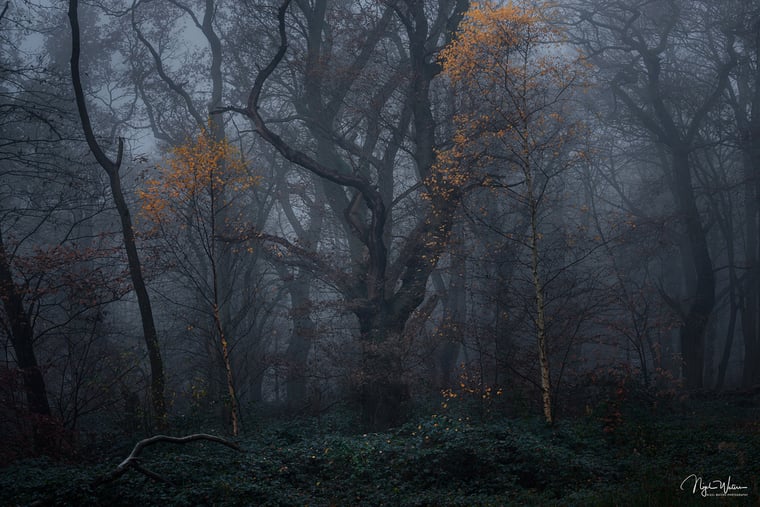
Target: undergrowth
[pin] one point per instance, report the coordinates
(438, 460)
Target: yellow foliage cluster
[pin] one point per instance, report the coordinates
(198, 178)
(476, 61)
(488, 38)
(509, 67)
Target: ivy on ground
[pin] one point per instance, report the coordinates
(437, 460)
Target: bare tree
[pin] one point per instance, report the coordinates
(643, 48)
(112, 168)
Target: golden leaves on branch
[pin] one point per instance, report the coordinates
(487, 38)
(511, 72)
(197, 180)
(476, 62)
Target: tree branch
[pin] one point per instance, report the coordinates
(296, 156)
(132, 460)
(372, 196)
(106, 163)
(176, 88)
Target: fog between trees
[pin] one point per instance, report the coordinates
(215, 210)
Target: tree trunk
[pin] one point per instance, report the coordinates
(457, 307)
(215, 252)
(451, 330)
(22, 340)
(300, 343)
(382, 317)
(541, 339)
(382, 388)
(694, 328)
(158, 379)
(728, 345)
(231, 393)
(751, 306)
(135, 270)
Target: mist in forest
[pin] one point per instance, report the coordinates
(239, 221)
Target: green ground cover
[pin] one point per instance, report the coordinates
(437, 460)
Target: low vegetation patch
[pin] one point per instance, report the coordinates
(438, 460)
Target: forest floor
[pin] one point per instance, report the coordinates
(702, 454)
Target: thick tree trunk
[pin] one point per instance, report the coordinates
(729, 344)
(694, 328)
(452, 326)
(382, 389)
(301, 339)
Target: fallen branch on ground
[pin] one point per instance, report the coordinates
(132, 461)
